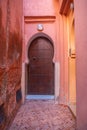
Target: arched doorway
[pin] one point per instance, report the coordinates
(40, 70)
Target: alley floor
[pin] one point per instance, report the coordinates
(43, 115)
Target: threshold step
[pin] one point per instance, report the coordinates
(37, 97)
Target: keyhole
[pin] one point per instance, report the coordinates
(34, 58)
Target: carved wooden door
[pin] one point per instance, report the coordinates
(41, 68)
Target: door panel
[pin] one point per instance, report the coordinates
(41, 68)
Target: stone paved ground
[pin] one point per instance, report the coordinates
(43, 115)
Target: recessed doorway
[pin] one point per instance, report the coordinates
(40, 70)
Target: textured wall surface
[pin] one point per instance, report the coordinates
(10, 59)
(81, 62)
(45, 7)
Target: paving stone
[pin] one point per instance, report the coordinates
(43, 115)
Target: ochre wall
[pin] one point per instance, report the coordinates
(72, 58)
(10, 59)
(81, 62)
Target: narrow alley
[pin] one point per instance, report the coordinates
(43, 56)
(43, 115)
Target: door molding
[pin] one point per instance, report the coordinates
(40, 80)
(37, 35)
(56, 68)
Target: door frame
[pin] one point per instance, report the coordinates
(26, 62)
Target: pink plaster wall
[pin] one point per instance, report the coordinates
(38, 8)
(42, 8)
(31, 29)
(63, 35)
(57, 30)
(81, 62)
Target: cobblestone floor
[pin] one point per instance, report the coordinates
(43, 115)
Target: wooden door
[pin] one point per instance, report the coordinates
(41, 68)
